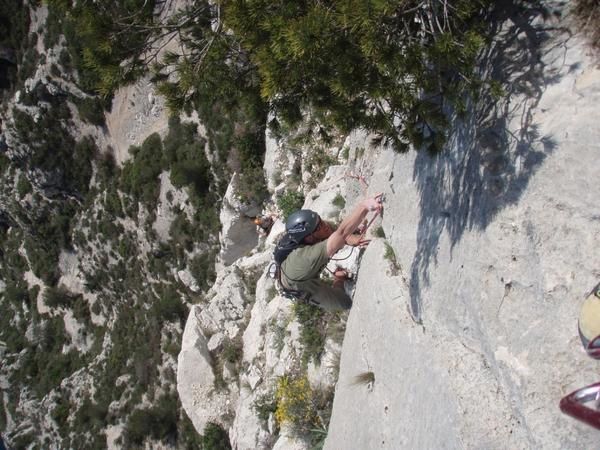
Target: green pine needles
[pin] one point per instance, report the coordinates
(388, 66)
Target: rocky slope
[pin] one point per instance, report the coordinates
(101, 251)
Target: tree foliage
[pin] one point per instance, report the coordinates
(587, 13)
(158, 422)
(103, 35)
(390, 67)
(214, 437)
(14, 25)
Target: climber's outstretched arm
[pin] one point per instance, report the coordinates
(338, 238)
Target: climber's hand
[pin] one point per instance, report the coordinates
(355, 241)
(342, 274)
(374, 203)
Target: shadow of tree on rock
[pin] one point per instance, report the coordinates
(486, 165)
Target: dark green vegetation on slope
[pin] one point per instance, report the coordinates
(112, 43)
(14, 25)
(128, 325)
(115, 366)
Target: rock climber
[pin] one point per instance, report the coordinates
(264, 224)
(315, 243)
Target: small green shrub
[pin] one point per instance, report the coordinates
(16, 293)
(139, 176)
(265, 405)
(54, 150)
(54, 70)
(390, 255)
(29, 63)
(317, 164)
(159, 422)
(214, 437)
(296, 404)
(65, 60)
(169, 306)
(277, 177)
(44, 362)
(24, 440)
(173, 347)
(271, 293)
(312, 330)
(81, 311)
(52, 29)
(187, 436)
(12, 333)
(251, 278)
(279, 332)
(23, 186)
(346, 153)
(181, 232)
(232, 351)
(253, 186)
(43, 261)
(60, 413)
(379, 232)
(202, 268)
(289, 202)
(60, 296)
(339, 201)
(91, 110)
(4, 163)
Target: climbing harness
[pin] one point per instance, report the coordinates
(291, 294)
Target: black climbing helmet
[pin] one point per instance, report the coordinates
(301, 223)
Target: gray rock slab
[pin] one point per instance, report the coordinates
(495, 254)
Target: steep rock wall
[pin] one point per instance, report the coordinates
(469, 339)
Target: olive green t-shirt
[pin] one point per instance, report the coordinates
(303, 264)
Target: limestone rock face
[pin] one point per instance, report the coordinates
(224, 319)
(226, 304)
(238, 233)
(322, 198)
(248, 431)
(278, 161)
(469, 332)
(188, 279)
(269, 351)
(195, 377)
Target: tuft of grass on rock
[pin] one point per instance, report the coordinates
(339, 201)
(390, 255)
(379, 232)
(364, 378)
